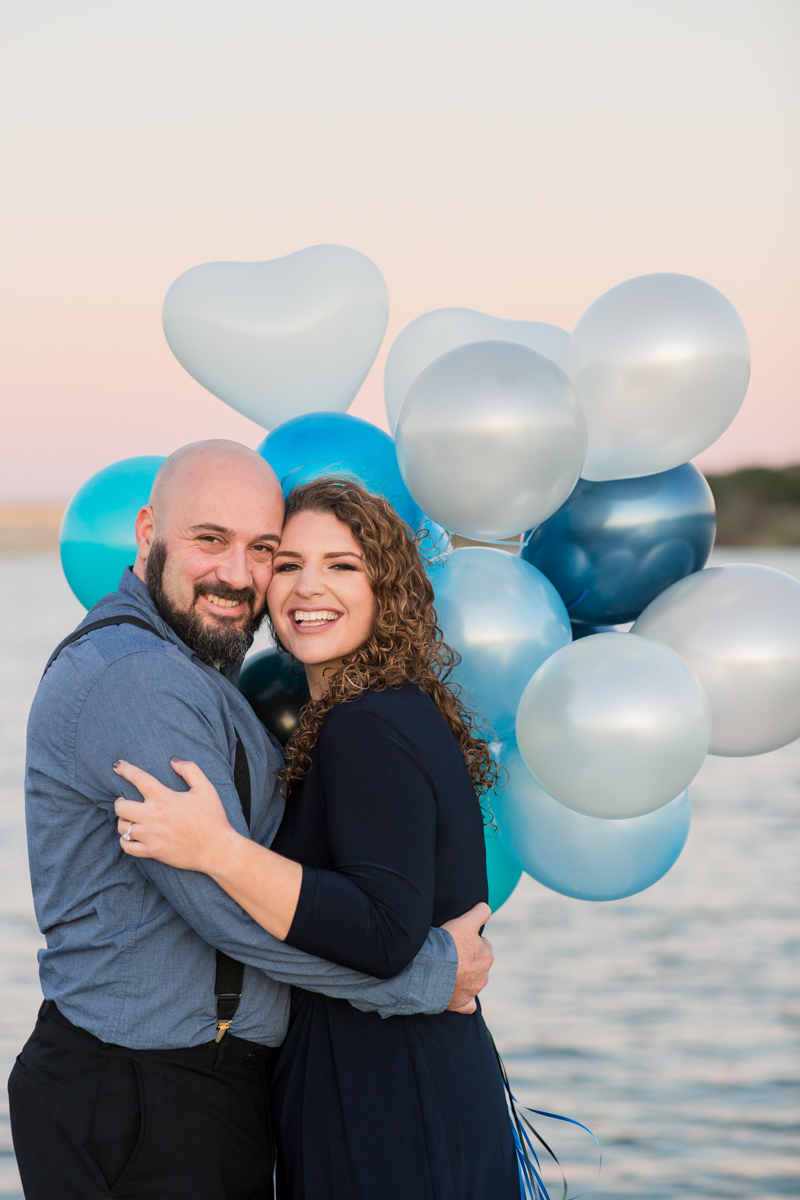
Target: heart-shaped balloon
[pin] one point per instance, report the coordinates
(281, 338)
(434, 333)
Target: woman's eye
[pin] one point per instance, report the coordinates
(282, 568)
(343, 566)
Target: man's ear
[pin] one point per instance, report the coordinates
(145, 531)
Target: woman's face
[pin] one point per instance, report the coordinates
(320, 599)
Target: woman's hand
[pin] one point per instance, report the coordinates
(189, 830)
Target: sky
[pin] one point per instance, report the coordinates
(512, 156)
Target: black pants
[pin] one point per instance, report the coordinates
(93, 1121)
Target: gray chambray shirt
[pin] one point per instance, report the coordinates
(130, 942)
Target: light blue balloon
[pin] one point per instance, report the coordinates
(97, 535)
(589, 858)
(502, 868)
(614, 546)
(504, 619)
(337, 444)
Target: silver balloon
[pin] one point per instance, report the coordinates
(490, 439)
(434, 333)
(611, 729)
(661, 364)
(580, 856)
(738, 628)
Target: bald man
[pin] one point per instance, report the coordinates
(147, 1073)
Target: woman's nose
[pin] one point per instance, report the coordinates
(308, 582)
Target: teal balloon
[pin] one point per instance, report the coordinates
(97, 537)
(502, 868)
(337, 444)
(504, 619)
(589, 858)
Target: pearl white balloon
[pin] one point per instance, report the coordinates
(661, 364)
(738, 628)
(490, 439)
(282, 338)
(434, 333)
(611, 729)
(582, 856)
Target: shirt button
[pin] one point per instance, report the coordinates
(250, 1057)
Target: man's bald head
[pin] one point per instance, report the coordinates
(193, 469)
(205, 544)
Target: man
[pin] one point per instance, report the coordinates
(133, 1084)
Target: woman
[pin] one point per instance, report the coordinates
(382, 838)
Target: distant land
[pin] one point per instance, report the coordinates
(756, 506)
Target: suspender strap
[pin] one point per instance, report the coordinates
(84, 629)
(228, 980)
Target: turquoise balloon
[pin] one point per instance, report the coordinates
(338, 444)
(502, 868)
(97, 536)
(590, 858)
(504, 619)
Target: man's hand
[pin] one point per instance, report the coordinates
(475, 957)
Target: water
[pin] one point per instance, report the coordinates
(668, 1022)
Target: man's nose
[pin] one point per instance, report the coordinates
(234, 569)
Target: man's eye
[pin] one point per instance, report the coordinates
(209, 537)
(264, 548)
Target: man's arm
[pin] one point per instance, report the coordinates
(145, 712)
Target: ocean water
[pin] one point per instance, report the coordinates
(668, 1023)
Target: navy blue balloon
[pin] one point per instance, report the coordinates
(337, 444)
(275, 691)
(614, 546)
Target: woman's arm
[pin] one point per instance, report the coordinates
(190, 830)
(372, 912)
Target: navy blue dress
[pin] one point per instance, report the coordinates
(390, 834)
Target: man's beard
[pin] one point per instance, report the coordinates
(217, 643)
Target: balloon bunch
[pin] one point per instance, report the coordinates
(575, 445)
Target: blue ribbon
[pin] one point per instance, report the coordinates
(531, 1184)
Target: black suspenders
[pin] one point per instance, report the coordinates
(228, 980)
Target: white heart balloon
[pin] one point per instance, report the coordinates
(434, 333)
(281, 338)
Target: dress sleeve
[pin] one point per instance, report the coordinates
(372, 911)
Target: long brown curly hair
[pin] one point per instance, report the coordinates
(406, 644)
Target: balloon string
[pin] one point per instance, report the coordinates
(532, 1185)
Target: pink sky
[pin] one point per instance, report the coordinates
(515, 159)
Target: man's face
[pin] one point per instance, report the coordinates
(209, 561)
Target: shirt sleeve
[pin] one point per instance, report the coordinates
(372, 911)
(147, 714)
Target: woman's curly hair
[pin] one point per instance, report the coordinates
(406, 643)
